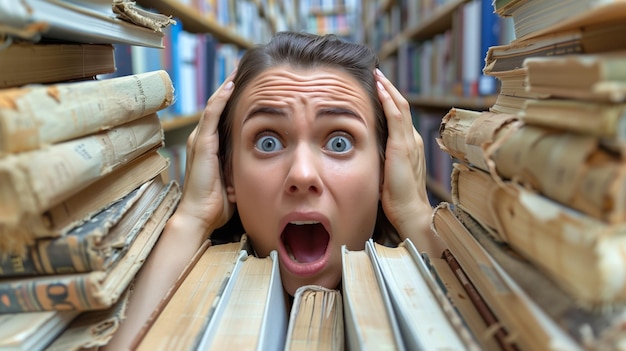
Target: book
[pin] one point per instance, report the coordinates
(374, 327)
(96, 245)
(92, 329)
(596, 38)
(34, 181)
(572, 169)
(92, 290)
(590, 77)
(28, 63)
(529, 326)
(414, 294)
(252, 314)
(582, 254)
(34, 330)
(78, 21)
(595, 329)
(316, 320)
(184, 314)
(77, 109)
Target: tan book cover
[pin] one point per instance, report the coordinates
(583, 254)
(93, 290)
(37, 115)
(26, 63)
(529, 327)
(33, 330)
(316, 320)
(591, 77)
(570, 168)
(595, 328)
(34, 181)
(185, 314)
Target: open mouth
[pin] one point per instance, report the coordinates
(305, 241)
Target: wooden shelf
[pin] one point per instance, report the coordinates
(195, 22)
(438, 190)
(179, 122)
(437, 22)
(479, 103)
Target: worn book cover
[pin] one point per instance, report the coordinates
(93, 290)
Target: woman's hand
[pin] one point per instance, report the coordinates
(204, 205)
(404, 197)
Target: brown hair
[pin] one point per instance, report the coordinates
(303, 50)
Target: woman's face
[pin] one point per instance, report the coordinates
(306, 171)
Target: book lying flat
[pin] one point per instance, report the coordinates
(185, 313)
(33, 330)
(93, 290)
(96, 245)
(34, 181)
(74, 21)
(529, 326)
(77, 109)
(316, 320)
(252, 313)
(26, 63)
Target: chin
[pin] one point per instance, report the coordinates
(291, 284)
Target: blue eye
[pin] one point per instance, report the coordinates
(268, 143)
(339, 144)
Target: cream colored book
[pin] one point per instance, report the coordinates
(600, 77)
(414, 295)
(97, 289)
(32, 331)
(572, 169)
(530, 327)
(584, 255)
(34, 181)
(370, 323)
(594, 328)
(181, 321)
(252, 313)
(316, 320)
(34, 116)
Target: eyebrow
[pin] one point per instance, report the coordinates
(325, 112)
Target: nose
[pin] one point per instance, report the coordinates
(304, 176)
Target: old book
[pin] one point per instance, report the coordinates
(471, 307)
(77, 109)
(529, 327)
(316, 320)
(34, 330)
(406, 276)
(602, 120)
(186, 311)
(596, 38)
(96, 245)
(91, 329)
(593, 77)
(252, 314)
(570, 168)
(26, 63)
(579, 252)
(374, 327)
(93, 290)
(536, 18)
(78, 21)
(594, 328)
(33, 182)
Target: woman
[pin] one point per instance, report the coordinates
(315, 149)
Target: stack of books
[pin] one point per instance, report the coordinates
(538, 216)
(82, 199)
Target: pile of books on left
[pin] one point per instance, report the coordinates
(82, 197)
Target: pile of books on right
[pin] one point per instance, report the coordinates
(537, 219)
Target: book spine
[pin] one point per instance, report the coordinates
(35, 181)
(59, 292)
(77, 109)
